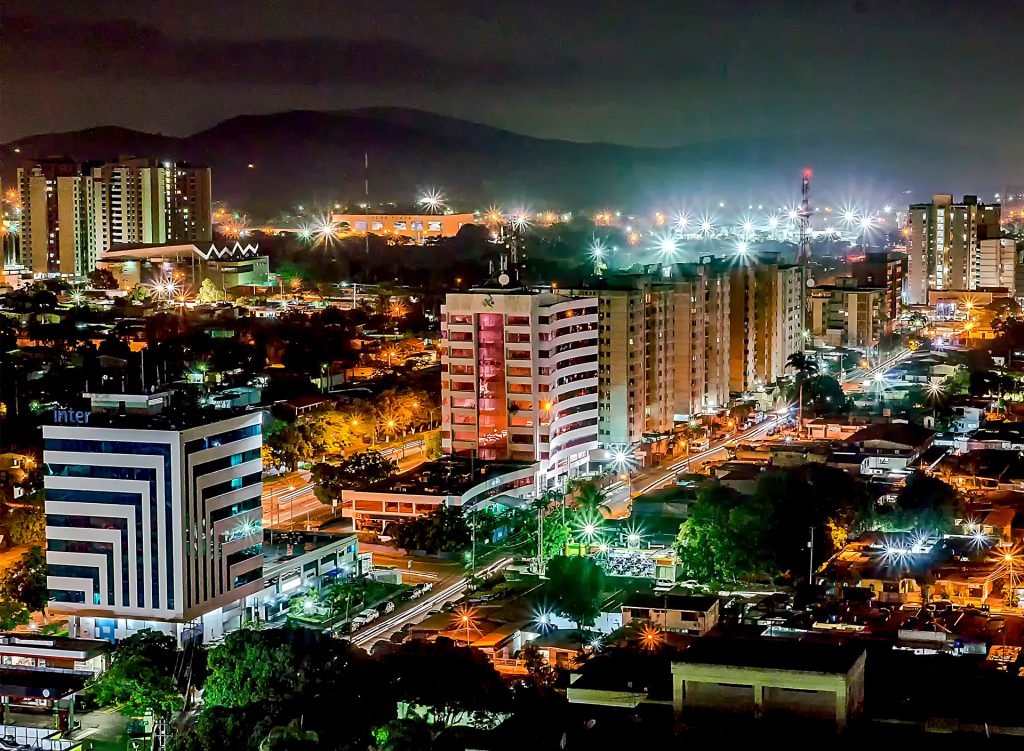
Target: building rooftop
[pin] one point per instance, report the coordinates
(771, 654)
(288, 546)
(902, 433)
(58, 643)
(449, 476)
(701, 603)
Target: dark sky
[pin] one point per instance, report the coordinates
(652, 73)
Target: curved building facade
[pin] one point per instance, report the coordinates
(519, 378)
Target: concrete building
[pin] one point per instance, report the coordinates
(766, 321)
(994, 265)
(152, 520)
(189, 199)
(73, 213)
(417, 227)
(694, 615)
(131, 203)
(519, 378)
(885, 270)
(702, 337)
(944, 244)
(844, 315)
(771, 677)
(58, 227)
(227, 267)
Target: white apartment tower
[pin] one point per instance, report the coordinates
(152, 521)
(519, 378)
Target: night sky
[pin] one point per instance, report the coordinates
(643, 73)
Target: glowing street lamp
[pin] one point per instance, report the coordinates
(432, 199)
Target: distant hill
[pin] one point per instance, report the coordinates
(314, 157)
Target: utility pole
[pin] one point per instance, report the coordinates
(810, 556)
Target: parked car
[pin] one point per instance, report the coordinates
(386, 607)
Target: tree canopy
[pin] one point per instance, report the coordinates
(574, 588)
(141, 676)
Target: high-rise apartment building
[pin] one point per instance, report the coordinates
(58, 227)
(944, 242)
(845, 315)
(152, 519)
(885, 270)
(131, 203)
(74, 213)
(189, 200)
(766, 321)
(519, 378)
(995, 265)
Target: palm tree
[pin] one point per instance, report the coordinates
(805, 368)
(589, 497)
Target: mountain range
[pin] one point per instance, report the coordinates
(307, 157)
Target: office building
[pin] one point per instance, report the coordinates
(885, 270)
(152, 520)
(58, 220)
(766, 321)
(944, 244)
(845, 315)
(519, 378)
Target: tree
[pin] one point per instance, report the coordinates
(930, 504)
(102, 279)
(358, 472)
(208, 293)
(25, 581)
(443, 530)
(26, 525)
(141, 676)
(12, 615)
(139, 294)
(724, 538)
(451, 681)
(589, 497)
(254, 666)
(432, 445)
(805, 367)
(574, 588)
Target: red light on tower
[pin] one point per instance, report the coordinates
(808, 172)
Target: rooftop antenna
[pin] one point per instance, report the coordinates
(366, 199)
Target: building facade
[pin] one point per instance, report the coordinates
(58, 229)
(153, 523)
(885, 270)
(765, 322)
(73, 213)
(944, 244)
(519, 378)
(845, 315)
(995, 265)
(417, 227)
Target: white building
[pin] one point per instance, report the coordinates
(519, 378)
(994, 264)
(152, 523)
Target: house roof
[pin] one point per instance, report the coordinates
(902, 433)
(807, 657)
(700, 603)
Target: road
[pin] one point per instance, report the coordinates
(289, 504)
(857, 376)
(446, 590)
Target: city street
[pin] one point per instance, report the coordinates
(289, 503)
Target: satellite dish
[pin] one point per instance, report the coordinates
(811, 282)
(503, 279)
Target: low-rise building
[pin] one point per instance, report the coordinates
(770, 677)
(694, 615)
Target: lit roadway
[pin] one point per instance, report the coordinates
(446, 590)
(290, 504)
